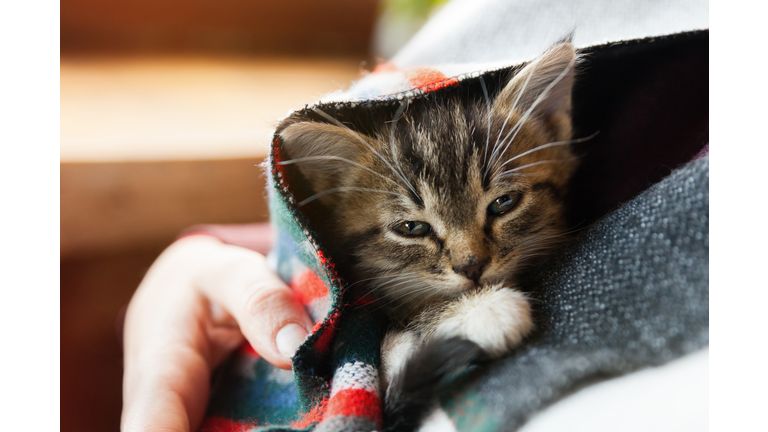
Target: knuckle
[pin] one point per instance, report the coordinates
(264, 297)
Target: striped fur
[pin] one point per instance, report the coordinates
(444, 161)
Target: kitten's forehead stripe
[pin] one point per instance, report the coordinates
(440, 147)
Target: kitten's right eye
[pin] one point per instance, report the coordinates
(503, 204)
(413, 228)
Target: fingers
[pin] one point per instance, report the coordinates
(170, 395)
(187, 315)
(267, 311)
(169, 352)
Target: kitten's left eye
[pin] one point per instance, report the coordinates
(413, 228)
(503, 204)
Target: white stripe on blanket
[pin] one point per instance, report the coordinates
(356, 375)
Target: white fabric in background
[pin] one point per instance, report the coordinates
(480, 31)
(670, 398)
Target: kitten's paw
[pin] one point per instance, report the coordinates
(495, 318)
(396, 348)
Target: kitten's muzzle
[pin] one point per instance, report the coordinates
(472, 270)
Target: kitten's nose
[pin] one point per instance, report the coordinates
(473, 269)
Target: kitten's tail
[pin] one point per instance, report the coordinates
(417, 387)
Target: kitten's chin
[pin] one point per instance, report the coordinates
(464, 286)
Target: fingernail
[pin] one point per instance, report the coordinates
(289, 338)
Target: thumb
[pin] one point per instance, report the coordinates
(269, 314)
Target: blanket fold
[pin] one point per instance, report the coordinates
(629, 291)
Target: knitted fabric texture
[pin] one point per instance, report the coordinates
(629, 291)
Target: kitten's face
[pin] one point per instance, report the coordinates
(438, 202)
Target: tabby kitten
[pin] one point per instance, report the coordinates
(437, 210)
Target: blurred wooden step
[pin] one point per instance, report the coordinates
(150, 146)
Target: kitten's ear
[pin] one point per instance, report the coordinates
(544, 86)
(322, 152)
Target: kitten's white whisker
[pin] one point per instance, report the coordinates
(390, 277)
(398, 280)
(535, 103)
(381, 306)
(514, 170)
(495, 154)
(539, 246)
(392, 147)
(417, 290)
(548, 145)
(424, 294)
(488, 107)
(404, 285)
(365, 143)
(343, 189)
(338, 158)
(497, 182)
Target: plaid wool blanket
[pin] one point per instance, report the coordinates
(628, 292)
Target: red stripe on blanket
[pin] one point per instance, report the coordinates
(308, 286)
(387, 67)
(276, 167)
(355, 402)
(220, 424)
(324, 260)
(324, 341)
(313, 416)
(428, 79)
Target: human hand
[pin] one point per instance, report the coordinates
(198, 302)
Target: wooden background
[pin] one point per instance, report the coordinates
(166, 112)
(295, 27)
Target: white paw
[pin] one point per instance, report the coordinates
(495, 318)
(396, 348)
